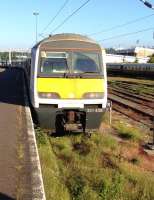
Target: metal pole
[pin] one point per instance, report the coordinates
(36, 28)
(36, 23)
(110, 112)
(109, 108)
(153, 134)
(153, 130)
(10, 60)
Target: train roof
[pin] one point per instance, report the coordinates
(65, 37)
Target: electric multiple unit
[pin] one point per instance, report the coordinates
(68, 86)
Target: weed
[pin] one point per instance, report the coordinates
(79, 168)
(60, 144)
(142, 182)
(127, 132)
(112, 190)
(75, 184)
(82, 148)
(53, 181)
(104, 141)
(40, 137)
(89, 194)
(135, 161)
(107, 161)
(66, 156)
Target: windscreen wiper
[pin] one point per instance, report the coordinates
(88, 72)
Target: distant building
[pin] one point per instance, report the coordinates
(112, 58)
(139, 52)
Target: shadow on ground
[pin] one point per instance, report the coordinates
(62, 134)
(5, 197)
(11, 86)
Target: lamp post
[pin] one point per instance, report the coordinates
(36, 25)
(148, 4)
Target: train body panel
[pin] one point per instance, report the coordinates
(131, 69)
(70, 88)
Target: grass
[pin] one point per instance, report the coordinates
(140, 183)
(79, 168)
(54, 187)
(127, 132)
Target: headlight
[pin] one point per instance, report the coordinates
(49, 95)
(93, 95)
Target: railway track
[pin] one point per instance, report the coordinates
(139, 107)
(143, 100)
(137, 89)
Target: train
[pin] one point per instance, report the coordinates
(131, 69)
(68, 82)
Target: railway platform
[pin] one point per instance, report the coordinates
(15, 159)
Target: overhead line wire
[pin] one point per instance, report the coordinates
(58, 12)
(121, 25)
(127, 34)
(69, 16)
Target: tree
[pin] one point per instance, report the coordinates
(4, 56)
(136, 60)
(110, 51)
(151, 60)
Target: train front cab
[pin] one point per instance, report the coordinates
(69, 87)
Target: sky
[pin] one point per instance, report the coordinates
(17, 24)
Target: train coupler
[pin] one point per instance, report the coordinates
(72, 126)
(74, 120)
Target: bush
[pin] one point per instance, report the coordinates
(151, 60)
